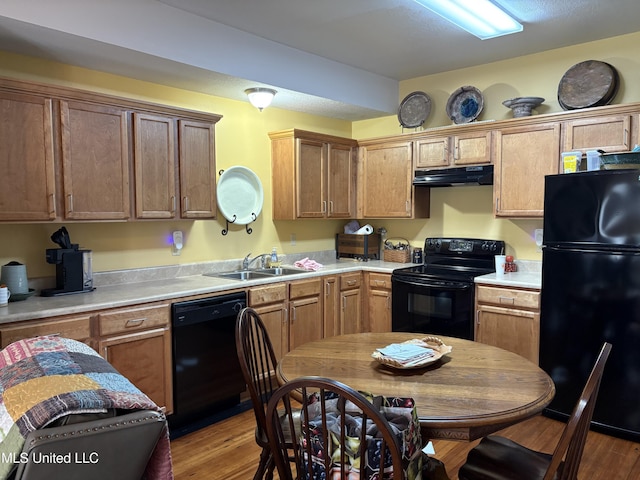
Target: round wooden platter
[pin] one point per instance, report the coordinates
(591, 83)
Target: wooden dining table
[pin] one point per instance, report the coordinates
(473, 391)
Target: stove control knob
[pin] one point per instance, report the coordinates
(493, 247)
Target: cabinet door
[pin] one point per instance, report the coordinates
(524, 155)
(387, 177)
(27, 185)
(145, 359)
(350, 311)
(197, 169)
(515, 330)
(305, 321)
(340, 181)
(379, 311)
(330, 307)
(310, 179)
(154, 161)
(472, 149)
(274, 317)
(95, 161)
(432, 152)
(611, 134)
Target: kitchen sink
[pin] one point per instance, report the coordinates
(240, 275)
(256, 274)
(281, 271)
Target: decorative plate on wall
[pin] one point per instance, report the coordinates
(414, 109)
(465, 104)
(240, 195)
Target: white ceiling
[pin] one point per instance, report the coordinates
(336, 58)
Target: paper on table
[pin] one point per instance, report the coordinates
(405, 351)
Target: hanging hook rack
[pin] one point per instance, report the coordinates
(247, 228)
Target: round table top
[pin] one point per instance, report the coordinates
(475, 390)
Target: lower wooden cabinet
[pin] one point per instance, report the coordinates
(509, 318)
(351, 303)
(270, 301)
(378, 311)
(331, 312)
(137, 342)
(305, 312)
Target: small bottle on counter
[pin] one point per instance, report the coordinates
(417, 255)
(510, 264)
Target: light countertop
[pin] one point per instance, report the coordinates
(513, 279)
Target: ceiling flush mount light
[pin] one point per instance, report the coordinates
(260, 97)
(479, 17)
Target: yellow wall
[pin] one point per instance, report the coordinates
(467, 211)
(241, 139)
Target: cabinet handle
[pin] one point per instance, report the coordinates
(135, 322)
(173, 204)
(330, 206)
(379, 283)
(324, 206)
(407, 206)
(626, 138)
(52, 204)
(477, 317)
(344, 302)
(293, 314)
(351, 282)
(507, 300)
(328, 292)
(185, 204)
(70, 203)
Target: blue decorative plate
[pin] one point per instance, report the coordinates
(465, 104)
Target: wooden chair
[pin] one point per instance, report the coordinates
(258, 363)
(498, 458)
(303, 387)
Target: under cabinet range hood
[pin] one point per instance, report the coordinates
(450, 177)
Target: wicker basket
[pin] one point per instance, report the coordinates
(397, 255)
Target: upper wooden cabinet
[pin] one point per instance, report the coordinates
(523, 156)
(95, 161)
(154, 162)
(385, 182)
(610, 133)
(455, 150)
(313, 175)
(27, 183)
(75, 155)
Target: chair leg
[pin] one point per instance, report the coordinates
(263, 466)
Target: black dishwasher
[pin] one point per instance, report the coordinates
(206, 372)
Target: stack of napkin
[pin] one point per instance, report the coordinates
(407, 354)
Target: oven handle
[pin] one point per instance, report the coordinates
(451, 286)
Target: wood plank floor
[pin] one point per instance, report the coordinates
(227, 451)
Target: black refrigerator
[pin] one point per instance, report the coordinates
(591, 293)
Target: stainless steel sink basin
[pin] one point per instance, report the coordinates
(256, 274)
(240, 275)
(281, 271)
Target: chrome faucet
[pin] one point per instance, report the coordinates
(248, 260)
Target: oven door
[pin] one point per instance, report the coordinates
(432, 307)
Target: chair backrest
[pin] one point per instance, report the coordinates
(257, 361)
(322, 417)
(574, 436)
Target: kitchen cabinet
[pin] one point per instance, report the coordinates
(27, 183)
(454, 150)
(351, 303)
(76, 327)
(523, 156)
(509, 318)
(611, 133)
(270, 301)
(137, 342)
(197, 169)
(95, 161)
(305, 307)
(313, 175)
(331, 305)
(378, 312)
(154, 166)
(385, 182)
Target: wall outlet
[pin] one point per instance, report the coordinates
(177, 243)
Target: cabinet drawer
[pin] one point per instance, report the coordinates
(508, 297)
(76, 328)
(133, 319)
(350, 280)
(267, 294)
(380, 281)
(305, 288)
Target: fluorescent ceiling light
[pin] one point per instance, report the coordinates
(479, 17)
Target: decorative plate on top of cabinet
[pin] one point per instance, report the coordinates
(414, 109)
(465, 104)
(240, 195)
(591, 83)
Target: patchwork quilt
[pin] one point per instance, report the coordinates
(45, 378)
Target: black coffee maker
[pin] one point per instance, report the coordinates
(73, 266)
